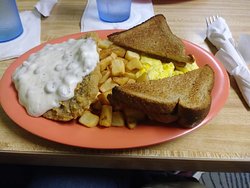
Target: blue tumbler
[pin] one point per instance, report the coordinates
(113, 10)
(10, 22)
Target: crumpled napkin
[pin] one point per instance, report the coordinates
(140, 11)
(233, 56)
(45, 6)
(28, 39)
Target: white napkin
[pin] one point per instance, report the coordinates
(45, 6)
(244, 42)
(233, 57)
(140, 11)
(28, 39)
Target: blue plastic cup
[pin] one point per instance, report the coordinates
(10, 22)
(113, 10)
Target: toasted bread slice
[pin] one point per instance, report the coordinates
(185, 98)
(153, 38)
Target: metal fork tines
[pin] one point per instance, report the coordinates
(211, 19)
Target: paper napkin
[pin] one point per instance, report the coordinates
(45, 6)
(140, 11)
(243, 47)
(233, 56)
(28, 39)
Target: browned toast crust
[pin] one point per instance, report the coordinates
(153, 38)
(187, 96)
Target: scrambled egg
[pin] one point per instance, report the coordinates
(155, 69)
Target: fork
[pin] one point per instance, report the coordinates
(211, 19)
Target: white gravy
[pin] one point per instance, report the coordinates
(51, 74)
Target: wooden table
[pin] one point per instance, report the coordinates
(221, 145)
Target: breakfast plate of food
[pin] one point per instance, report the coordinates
(113, 89)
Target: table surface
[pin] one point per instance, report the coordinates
(221, 145)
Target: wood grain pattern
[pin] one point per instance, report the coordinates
(222, 144)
